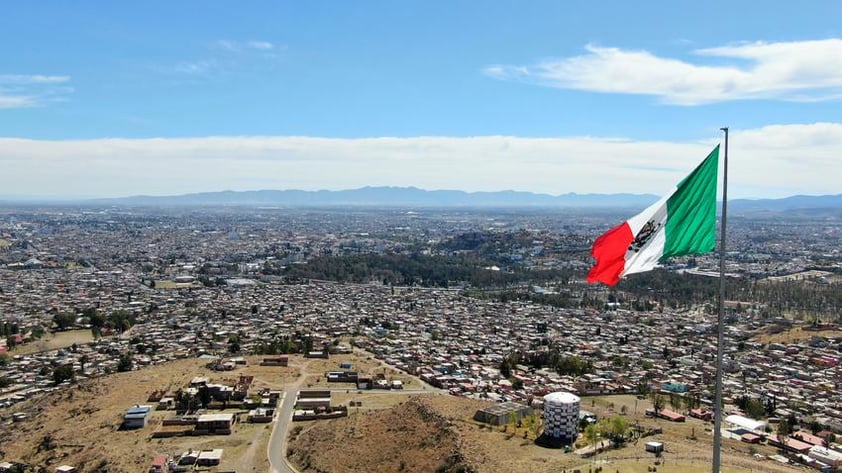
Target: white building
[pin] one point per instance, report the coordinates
(561, 416)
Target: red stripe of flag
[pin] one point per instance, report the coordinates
(609, 250)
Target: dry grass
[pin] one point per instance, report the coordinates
(54, 341)
(168, 284)
(390, 432)
(395, 435)
(796, 335)
(83, 422)
(361, 363)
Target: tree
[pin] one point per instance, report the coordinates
(125, 363)
(658, 402)
(592, 434)
(64, 320)
(754, 408)
(83, 360)
(204, 396)
(675, 401)
(784, 429)
(618, 429)
(63, 373)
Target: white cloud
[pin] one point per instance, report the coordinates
(791, 71)
(773, 161)
(23, 91)
(32, 79)
(16, 101)
(200, 67)
(241, 46)
(262, 45)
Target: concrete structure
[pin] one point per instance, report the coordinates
(209, 457)
(215, 423)
(137, 417)
(655, 447)
(742, 424)
(500, 414)
(561, 416)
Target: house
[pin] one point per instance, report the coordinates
(188, 458)
(655, 447)
(313, 399)
(364, 382)
(827, 456)
(159, 464)
(66, 469)
(702, 414)
(342, 377)
(792, 445)
(209, 457)
(261, 415)
(317, 354)
(277, 361)
(220, 424)
(137, 417)
(500, 414)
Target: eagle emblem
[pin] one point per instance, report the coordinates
(644, 235)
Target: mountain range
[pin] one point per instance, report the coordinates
(415, 197)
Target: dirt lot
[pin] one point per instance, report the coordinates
(388, 437)
(77, 422)
(361, 362)
(54, 341)
(390, 431)
(796, 335)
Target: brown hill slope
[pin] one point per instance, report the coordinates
(79, 425)
(412, 437)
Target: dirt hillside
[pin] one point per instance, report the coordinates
(414, 436)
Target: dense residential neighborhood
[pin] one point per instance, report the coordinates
(132, 289)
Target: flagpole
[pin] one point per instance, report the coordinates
(717, 424)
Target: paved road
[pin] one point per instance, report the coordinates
(278, 440)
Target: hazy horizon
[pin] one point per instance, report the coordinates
(433, 95)
(11, 198)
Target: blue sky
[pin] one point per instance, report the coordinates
(96, 98)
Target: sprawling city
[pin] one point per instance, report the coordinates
(270, 324)
(366, 236)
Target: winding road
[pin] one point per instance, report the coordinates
(278, 440)
(277, 448)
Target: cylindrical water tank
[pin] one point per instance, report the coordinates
(561, 416)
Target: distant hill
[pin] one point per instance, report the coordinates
(415, 197)
(796, 202)
(387, 197)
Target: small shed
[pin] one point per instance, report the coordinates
(209, 457)
(655, 447)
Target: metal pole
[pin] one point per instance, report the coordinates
(717, 424)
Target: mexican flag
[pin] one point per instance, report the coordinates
(681, 223)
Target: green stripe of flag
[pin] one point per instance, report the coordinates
(691, 211)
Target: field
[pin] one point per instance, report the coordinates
(168, 284)
(361, 362)
(77, 422)
(390, 430)
(55, 341)
(391, 439)
(796, 335)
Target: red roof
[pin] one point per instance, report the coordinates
(159, 460)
